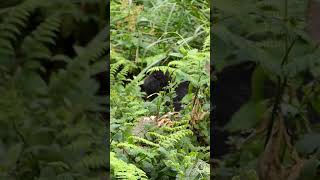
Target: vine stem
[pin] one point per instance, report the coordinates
(281, 83)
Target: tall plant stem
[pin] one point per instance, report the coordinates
(282, 82)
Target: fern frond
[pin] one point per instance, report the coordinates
(158, 136)
(175, 138)
(163, 69)
(123, 170)
(10, 28)
(94, 161)
(120, 69)
(47, 31)
(143, 141)
(136, 149)
(175, 129)
(35, 46)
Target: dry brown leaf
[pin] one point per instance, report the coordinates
(270, 166)
(293, 173)
(196, 113)
(170, 115)
(165, 122)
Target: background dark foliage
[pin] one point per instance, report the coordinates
(53, 86)
(265, 90)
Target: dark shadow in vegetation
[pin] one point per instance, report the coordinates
(53, 82)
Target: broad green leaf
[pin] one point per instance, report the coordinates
(246, 117)
(308, 143)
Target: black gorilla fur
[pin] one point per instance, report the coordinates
(156, 82)
(231, 90)
(181, 91)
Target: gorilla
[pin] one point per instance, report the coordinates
(229, 92)
(157, 81)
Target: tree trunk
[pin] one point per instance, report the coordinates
(313, 14)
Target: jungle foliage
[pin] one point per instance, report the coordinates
(148, 139)
(51, 124)
(283, 142)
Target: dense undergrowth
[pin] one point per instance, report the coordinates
(284, 133)
(148, 139)
(51, 110)
(51, 124)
